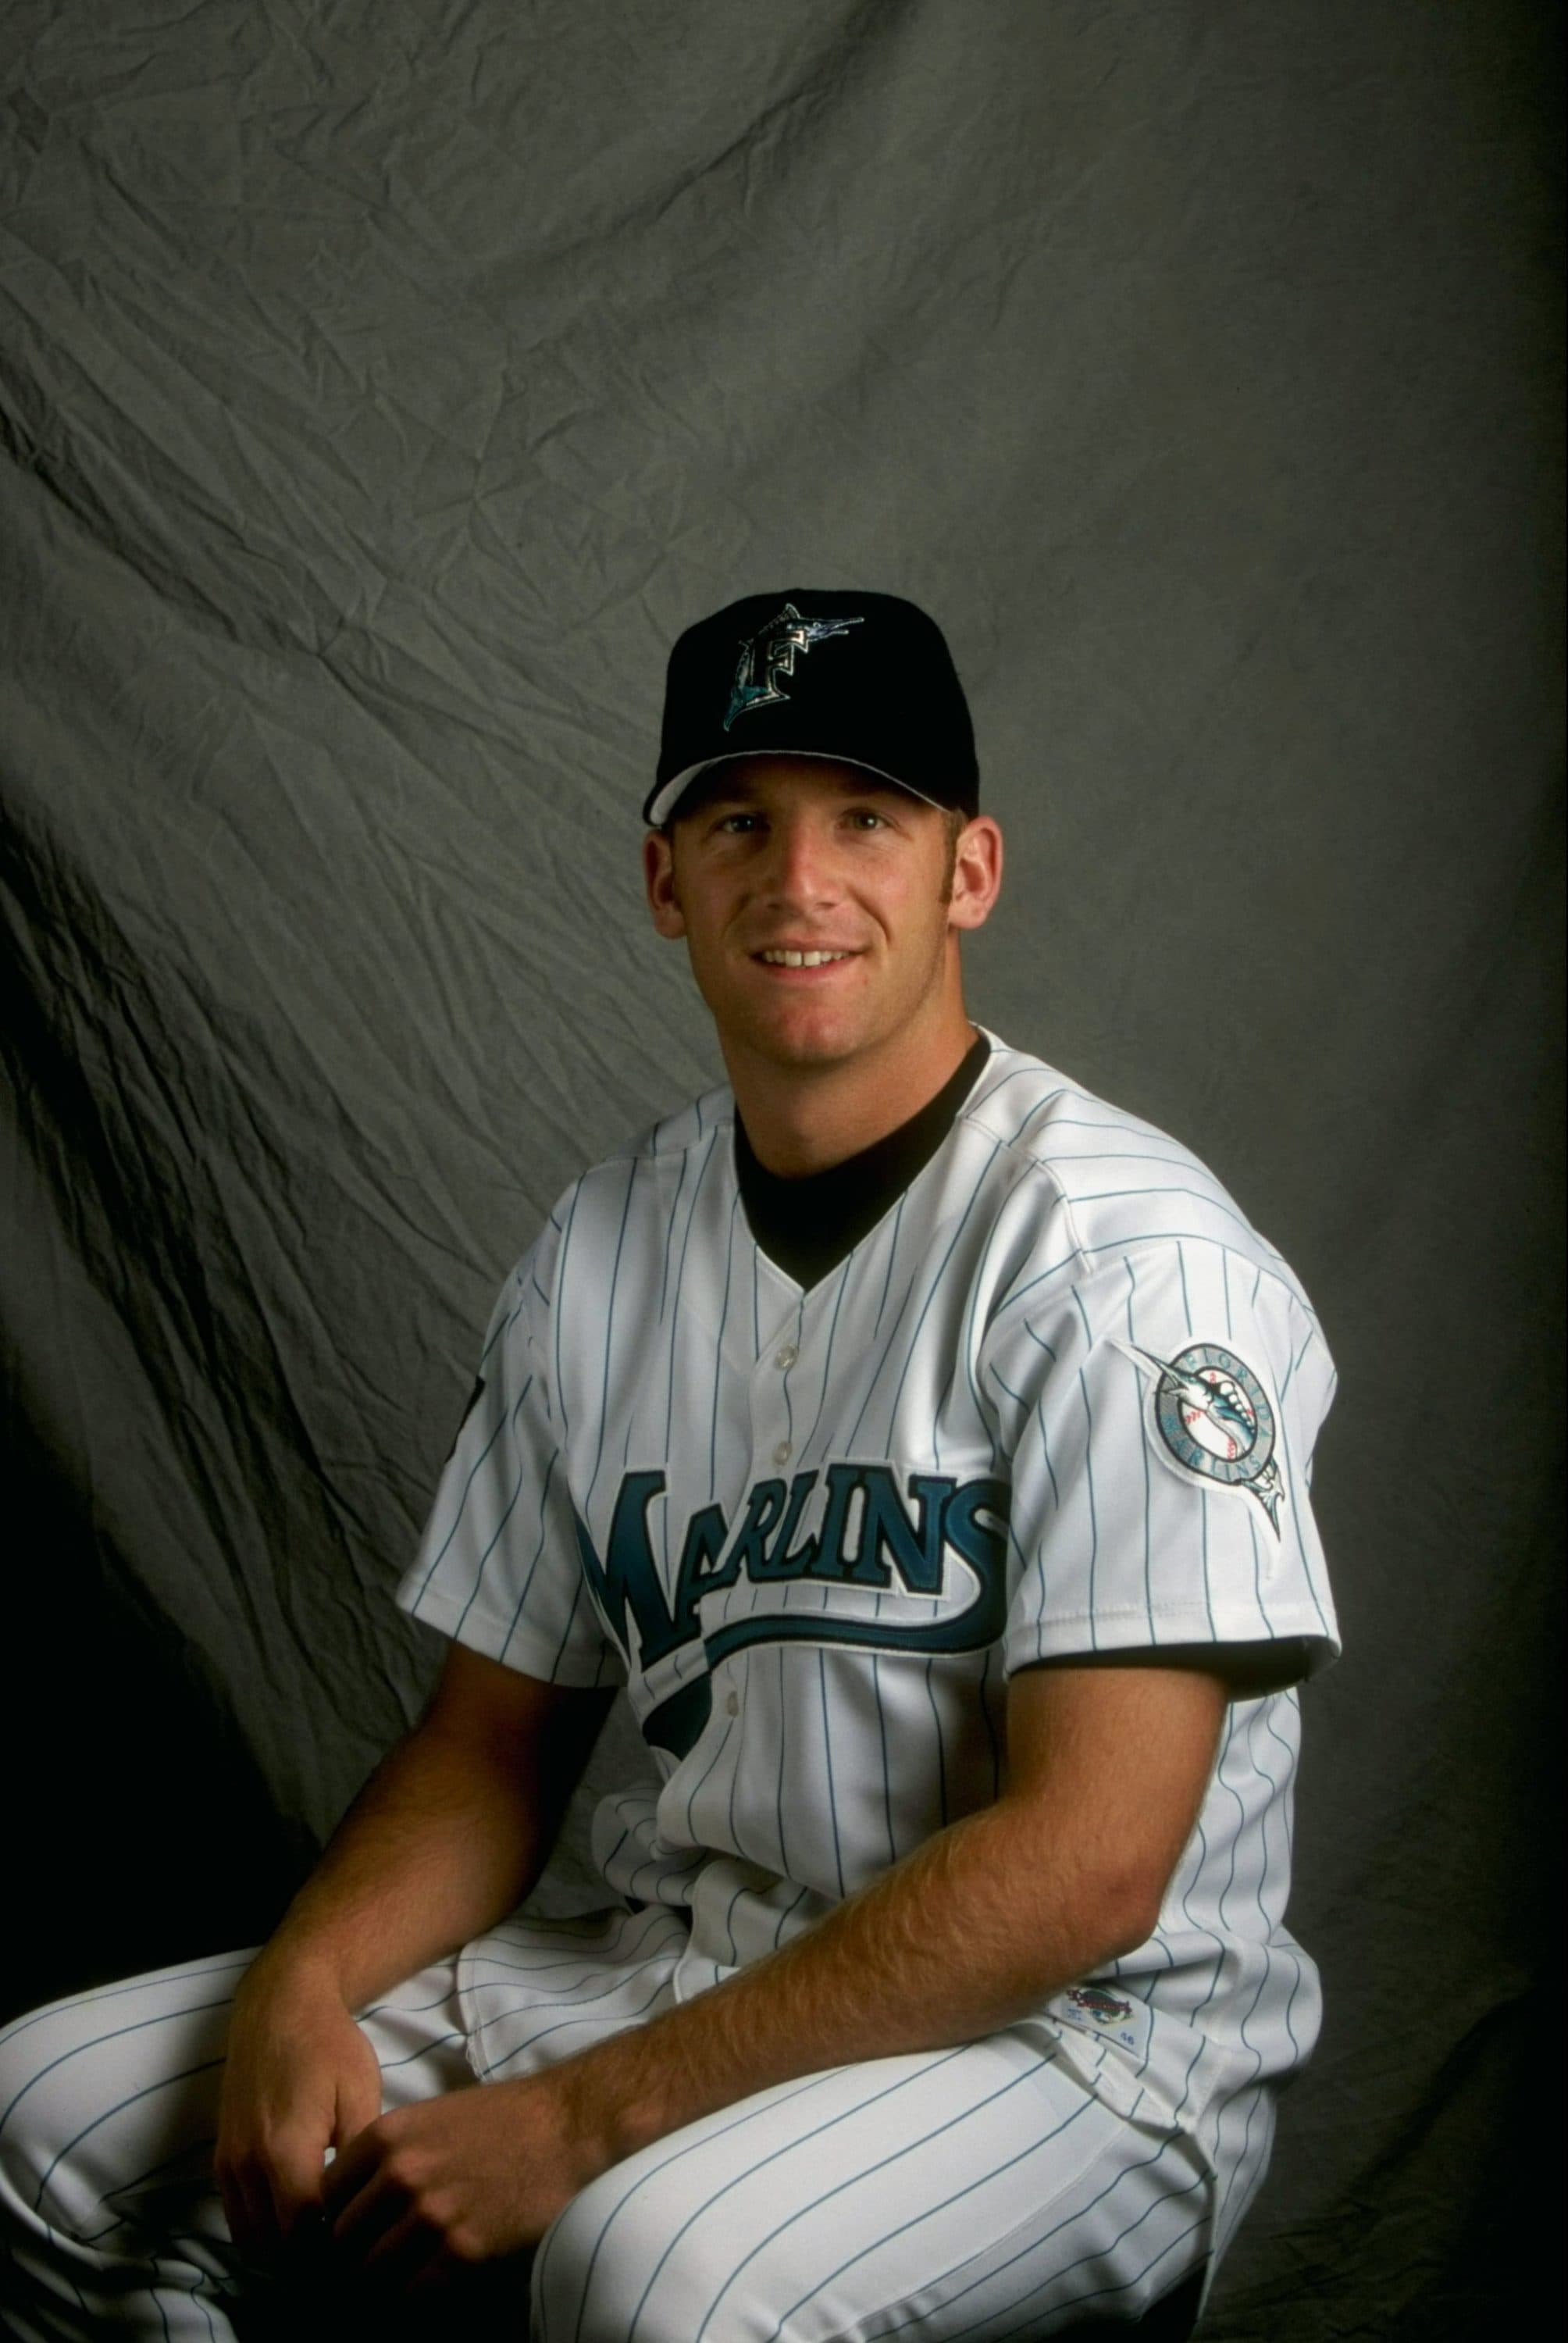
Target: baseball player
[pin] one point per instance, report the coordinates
(924, 1446)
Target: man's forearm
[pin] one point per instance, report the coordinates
(966, 1935)
(974, 1929)
(427, 1856)
(448, 1835)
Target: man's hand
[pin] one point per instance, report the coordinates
(300, 2078)
(463, 2179)
(447, 1836)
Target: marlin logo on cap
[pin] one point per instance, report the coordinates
(771, 653)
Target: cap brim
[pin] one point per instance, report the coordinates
(668, 796)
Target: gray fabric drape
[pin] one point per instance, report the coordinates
(380, 390)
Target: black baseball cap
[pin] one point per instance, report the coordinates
(864, 678)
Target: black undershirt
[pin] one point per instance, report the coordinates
(808, 1225)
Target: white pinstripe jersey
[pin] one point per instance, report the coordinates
(1061, 1399)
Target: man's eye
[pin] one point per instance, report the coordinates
(740, 824)
(867, 818)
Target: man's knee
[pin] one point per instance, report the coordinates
(35, 2102)
(100, 2090)
(620, 2265)
(633, 2259)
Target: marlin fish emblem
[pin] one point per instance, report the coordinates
(1234, 1430)
(1215, 1421)
(771, 653)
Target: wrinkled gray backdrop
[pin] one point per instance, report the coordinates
(382, 387)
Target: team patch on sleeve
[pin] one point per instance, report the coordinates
(1210, 1420)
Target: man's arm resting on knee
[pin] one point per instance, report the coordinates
(1106, 1769)
(450, 1832)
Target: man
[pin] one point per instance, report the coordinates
(925, 1445)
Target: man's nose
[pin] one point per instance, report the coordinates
(801, 868)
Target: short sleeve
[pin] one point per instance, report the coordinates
(498, 1567)
(1159, 1415)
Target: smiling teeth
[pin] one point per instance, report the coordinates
(802, 958)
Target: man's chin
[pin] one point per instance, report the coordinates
(800, 1044)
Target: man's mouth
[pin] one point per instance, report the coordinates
(785, 956)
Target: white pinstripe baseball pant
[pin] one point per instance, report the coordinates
(971, 2193)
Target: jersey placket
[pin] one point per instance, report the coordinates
(774, 1442)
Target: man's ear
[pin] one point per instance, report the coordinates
(977, 872)
(658, 879)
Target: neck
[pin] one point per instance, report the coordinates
(806, 1118)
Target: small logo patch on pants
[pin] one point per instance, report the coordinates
(1120, 2017)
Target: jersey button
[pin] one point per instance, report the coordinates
(785, 1359)
(732, 1704)
(783, 1453)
